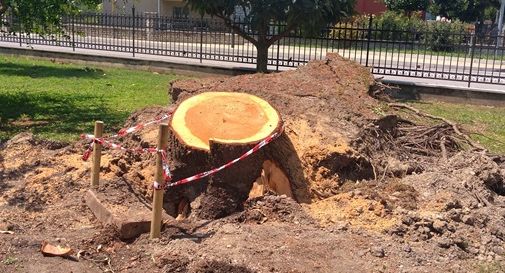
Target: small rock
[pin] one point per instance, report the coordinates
(451, 227)
(453, 204)
(407, 220)
(377, 251)
(407, 248)
(362, 253)
(359, 210)
(455, 215)
(423, 230)
(399, 230)
(444, 242)
(439, 226)
(469, 220)
(499, 250)
(342, 226)
(473, 250)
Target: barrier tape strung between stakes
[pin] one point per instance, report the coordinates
(167, 176)
(261, 144)
(125, 131)
(113, 146)
(107, 144)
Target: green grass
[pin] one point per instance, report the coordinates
(60, 101)
(484, 124)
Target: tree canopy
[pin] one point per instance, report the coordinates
(41, 15)
(308, 15)
(407, 6)
(464, 10)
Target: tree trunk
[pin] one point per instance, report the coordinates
(262, 57)
(262, 50)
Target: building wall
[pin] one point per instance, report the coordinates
(125, 6)
(144, 6)
(370, 6)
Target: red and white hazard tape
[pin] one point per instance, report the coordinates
(125, 131)
(106, 143)
(261, 144)
(167, 176)
(113, 146)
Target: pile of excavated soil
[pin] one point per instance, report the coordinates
(386, 194)
(323, 105)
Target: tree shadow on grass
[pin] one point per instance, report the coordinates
(47, 113)
(42, 71)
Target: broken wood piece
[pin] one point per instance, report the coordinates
(48, 249)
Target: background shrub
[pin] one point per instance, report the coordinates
(445, 36)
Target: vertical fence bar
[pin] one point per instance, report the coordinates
(133, 31)
(472, 55)
(369, 39)
(278, 52)
(19, 31)
(73, 32)
(278, 48)
(201, 39)
(233, 33)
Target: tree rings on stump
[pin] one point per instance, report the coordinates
(228, 118)
(213, 128)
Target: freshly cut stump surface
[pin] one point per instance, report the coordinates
(224, 117)
(209, 130)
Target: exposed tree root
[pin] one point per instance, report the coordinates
(452, 124)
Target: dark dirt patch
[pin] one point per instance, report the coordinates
(219, 267)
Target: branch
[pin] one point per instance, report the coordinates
(3, 7)
(237, 29)
(277, 37)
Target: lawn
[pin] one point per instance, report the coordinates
(484, 124)
(61, 101)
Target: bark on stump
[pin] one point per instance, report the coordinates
(207, 131)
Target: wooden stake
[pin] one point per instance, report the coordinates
(97, 154)
(158, 194)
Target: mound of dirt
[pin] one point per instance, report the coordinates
(323, 105)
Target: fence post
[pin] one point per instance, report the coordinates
(158, 193)
(369, 38)
(97, 154)
(278, 48)
(233, 33)
(201, 39)
(20, 30)
(73, 32)
(133, 30)
(472, 55)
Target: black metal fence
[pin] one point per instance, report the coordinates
(434, 50)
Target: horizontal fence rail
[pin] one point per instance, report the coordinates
(434, 51)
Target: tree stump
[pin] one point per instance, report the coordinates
(211, 129)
